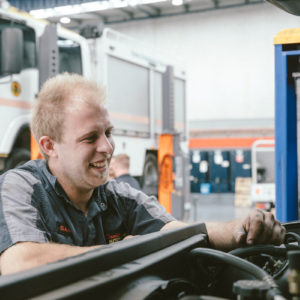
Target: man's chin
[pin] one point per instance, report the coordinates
(100, 181)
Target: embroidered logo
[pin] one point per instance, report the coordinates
(112, 238)
(63, 229)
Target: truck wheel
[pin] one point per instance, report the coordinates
(150, 175)
(18, 157)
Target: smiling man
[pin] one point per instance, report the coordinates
(63, 205)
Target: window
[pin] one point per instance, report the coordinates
(69, 56)
(29, 54)
(29, 43)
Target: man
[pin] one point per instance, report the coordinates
(63, 206)
(119, 170)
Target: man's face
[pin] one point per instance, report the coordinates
(83, 156)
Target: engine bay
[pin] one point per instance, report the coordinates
(167, 265)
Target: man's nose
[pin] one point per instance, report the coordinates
(105, 145)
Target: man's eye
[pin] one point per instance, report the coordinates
(108, 133)
(91, 139)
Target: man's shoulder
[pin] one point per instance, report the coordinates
(29, 173)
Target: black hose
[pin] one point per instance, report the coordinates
(293, 236)
(239, 263)
(266, 249)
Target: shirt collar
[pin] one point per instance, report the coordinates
(54, 184)
(97, 203)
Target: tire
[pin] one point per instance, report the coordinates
(150, 175)
(18, 157)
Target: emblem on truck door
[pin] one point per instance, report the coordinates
(16, 88)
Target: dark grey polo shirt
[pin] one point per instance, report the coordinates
(35, 208)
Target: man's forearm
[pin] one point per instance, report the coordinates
(221, 235)
(27, 255)
(173, 225)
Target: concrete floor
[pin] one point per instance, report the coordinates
(214, 207)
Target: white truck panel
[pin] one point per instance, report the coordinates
(128, 96)
(15, 109)
(12, 130)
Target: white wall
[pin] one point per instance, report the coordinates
(228, 54)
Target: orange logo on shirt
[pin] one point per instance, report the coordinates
(64, 229)
(112, 238)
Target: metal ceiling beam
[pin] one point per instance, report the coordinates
(156, 9)
(150, 11)
(128, 13)
(184, 12)
(145, 11)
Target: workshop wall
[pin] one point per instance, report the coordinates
(228, 54)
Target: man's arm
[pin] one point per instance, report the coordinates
(258, 227)
(27, 255)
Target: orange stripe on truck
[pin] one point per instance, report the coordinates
(15, 103)
(198, 143)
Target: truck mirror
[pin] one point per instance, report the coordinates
(12, 50)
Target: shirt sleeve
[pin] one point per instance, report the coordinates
(144, 214)
(18, 215)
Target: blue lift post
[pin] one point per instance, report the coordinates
(287, 54)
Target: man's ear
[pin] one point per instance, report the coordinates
(47, 144)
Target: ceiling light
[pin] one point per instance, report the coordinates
(42, 13)
(177, 2)
(65, 20)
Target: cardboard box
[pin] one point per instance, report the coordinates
(242, 197)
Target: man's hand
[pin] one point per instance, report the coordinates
(259, 227)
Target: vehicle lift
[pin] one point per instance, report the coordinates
(287, 114)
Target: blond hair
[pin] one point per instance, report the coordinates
(50, 107)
